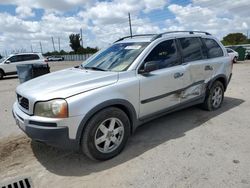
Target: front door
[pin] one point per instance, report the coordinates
(161, 88)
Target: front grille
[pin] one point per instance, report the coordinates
(23, 102)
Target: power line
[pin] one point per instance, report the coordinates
(59, 44)
(129, 20)
(81, 37)
(53, 43)
(41, 47)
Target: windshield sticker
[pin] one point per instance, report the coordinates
(135, 47)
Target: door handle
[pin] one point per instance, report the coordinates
(178, 75)
(208, 67)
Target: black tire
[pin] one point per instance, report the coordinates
(93, 128)
(1, 74)
(235, 60)
(209, 103)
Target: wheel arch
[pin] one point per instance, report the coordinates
(2, 71)
(122, 104)
(222, 78)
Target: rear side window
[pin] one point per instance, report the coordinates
(29, 57)
(165, 54)
(191, 49)
(213, 48)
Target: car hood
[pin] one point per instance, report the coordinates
(65, 83)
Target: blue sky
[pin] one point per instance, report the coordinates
(28, 22)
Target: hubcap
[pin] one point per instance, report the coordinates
(109, 135)
(217, 97)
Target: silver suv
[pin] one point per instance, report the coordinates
(96, 106)
(8, 64)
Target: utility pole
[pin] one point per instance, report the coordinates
(53, 43)
(59, 44)
(129, 20)
(31, 47)
(41, 47)
(81, 37)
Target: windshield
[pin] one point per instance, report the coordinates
(118, 57)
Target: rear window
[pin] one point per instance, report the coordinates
(191, 49)
(213, 48)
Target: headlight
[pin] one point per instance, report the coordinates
(57, 108)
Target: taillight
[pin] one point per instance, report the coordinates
(46, 61)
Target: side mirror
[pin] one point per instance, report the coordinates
(150, 66)
(7, 62)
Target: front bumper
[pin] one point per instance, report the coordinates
(46, 130)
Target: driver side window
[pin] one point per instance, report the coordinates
(165, 54)
(14, 59)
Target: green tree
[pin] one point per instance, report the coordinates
(75, 42)
(234, 39)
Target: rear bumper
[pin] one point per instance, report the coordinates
(46, 132)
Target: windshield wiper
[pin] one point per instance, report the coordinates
(95, 68)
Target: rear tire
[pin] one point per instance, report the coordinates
(215, 96)
(106, 134)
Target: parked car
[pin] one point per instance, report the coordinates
(8, 64)
(96, 106)
(233, 54)
(55, 58)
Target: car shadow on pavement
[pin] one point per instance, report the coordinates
(9, 77)
(146, 137)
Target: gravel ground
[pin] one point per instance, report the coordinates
(189, 148)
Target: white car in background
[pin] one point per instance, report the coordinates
(55, 58)
(8, 64)
(233, 54)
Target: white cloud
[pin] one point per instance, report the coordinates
(105, 21)
(24, 12)
(209, 16)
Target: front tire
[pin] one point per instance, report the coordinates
(1, 74)
(235, 60)
(106, 134)
(214, 97)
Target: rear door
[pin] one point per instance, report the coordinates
(160, 89)
(198, 67)
(29, 58)
(216, 56)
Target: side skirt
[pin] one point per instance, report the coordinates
(10, 73)
(191, 102)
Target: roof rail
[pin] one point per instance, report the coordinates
(142, 35)
(169, 32)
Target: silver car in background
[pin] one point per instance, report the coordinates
(233, 54)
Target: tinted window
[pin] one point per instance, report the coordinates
(165, 54)
(191, 49)
(29, 57)
(213, 48)
(15, 58)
